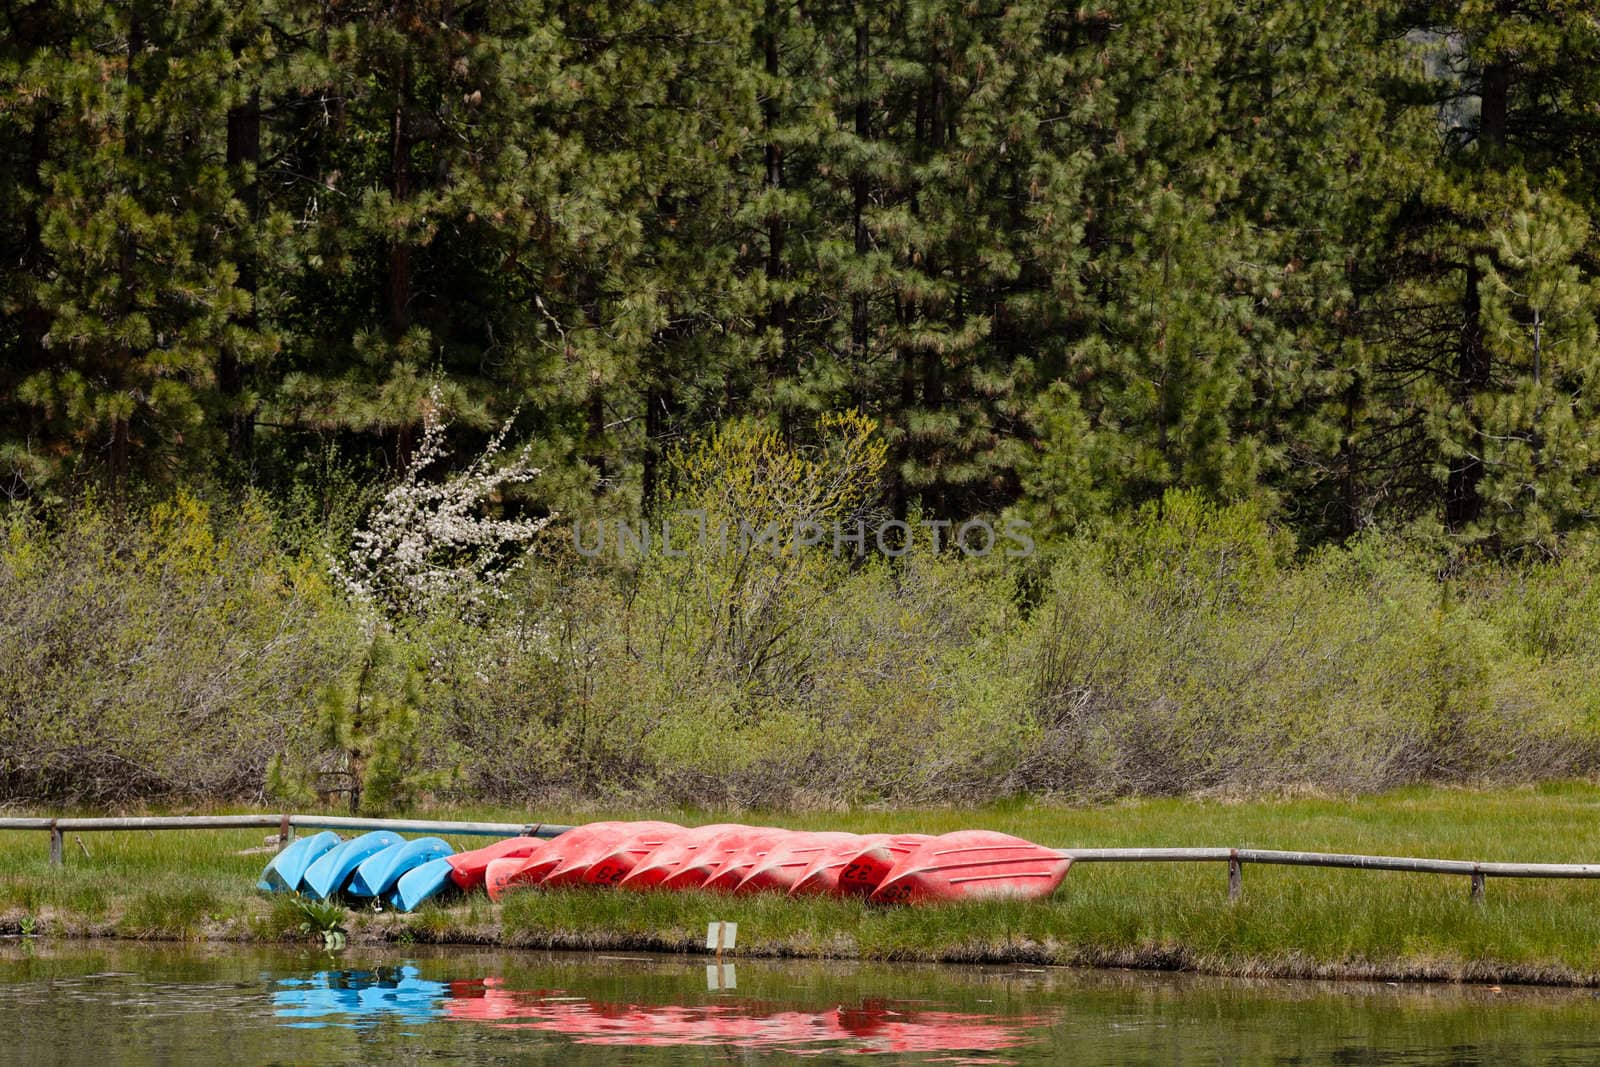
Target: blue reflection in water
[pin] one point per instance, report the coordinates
(360, 998)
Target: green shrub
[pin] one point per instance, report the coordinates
(1186, 650)
(163, 654)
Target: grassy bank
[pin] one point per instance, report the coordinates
(193, 885)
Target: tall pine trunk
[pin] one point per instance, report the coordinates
(244, 150)
(777, 311)
(120, 445)
(1463, 500)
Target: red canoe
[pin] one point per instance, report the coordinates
(781, 868)
(698, 866)
(972, 864)
(822, 876)
(533, 868)
(866, 867)
(498, 877)
(616, 864)
(741, 862)
(467, 868)
(666, 858)
(587, 851)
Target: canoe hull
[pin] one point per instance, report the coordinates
(328, 875)
(665, 860)
(420, 884)
(821, 878)
(619, 862)
(583, 853)
(973, 864)
(519, 872)
(698, 869)
(467, 868)
(865, 869)
(779, 869)
(379, 873)
(288, 867)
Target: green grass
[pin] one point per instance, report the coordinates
(1290, 920)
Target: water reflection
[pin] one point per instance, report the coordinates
(156, 1005)
(359, 998)
(866, 1027)
(356, 997)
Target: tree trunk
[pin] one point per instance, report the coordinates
(1350, 462)
(1463, 504)
(783, 364)
(655, 428)
(244, 150)
(1463, 501)
(397, 289)
(859, 327)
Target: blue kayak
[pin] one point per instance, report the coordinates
(328, 875)
(378, 874)
(283, 874)
(420, 884)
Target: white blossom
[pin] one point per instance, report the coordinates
(428, 544)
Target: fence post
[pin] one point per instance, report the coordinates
(1477, 887)
(1235, 875)
(284, 830)
(55, 845)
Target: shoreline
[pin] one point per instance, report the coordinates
(398, 930)
(1287, 922)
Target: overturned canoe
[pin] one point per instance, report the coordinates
(699, 866)
(582, 853)
(672, 853)
(971, 864)
(864, 869)
(378, 873)
(335, 867)
(740, 862)
(782, 866)
(821, 877)
(619, 861)
(420, 884)
(288, 867)
(510, 872)
(467, 868)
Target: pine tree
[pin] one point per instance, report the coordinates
(1163, 342)
(1495, 241)
(130, 282)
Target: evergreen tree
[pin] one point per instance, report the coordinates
(1147, 224)
(1495, 242)
(128, 286)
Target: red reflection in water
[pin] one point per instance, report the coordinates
(873, 1027)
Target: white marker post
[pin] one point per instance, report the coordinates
(720, 938)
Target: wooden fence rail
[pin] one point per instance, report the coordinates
(284, 823)
(1235, 858)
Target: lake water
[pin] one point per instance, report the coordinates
(112, 1002)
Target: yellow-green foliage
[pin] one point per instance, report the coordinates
(1189, 649)
(165, 653)
(744, 472)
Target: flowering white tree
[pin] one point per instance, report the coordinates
(428, 543)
